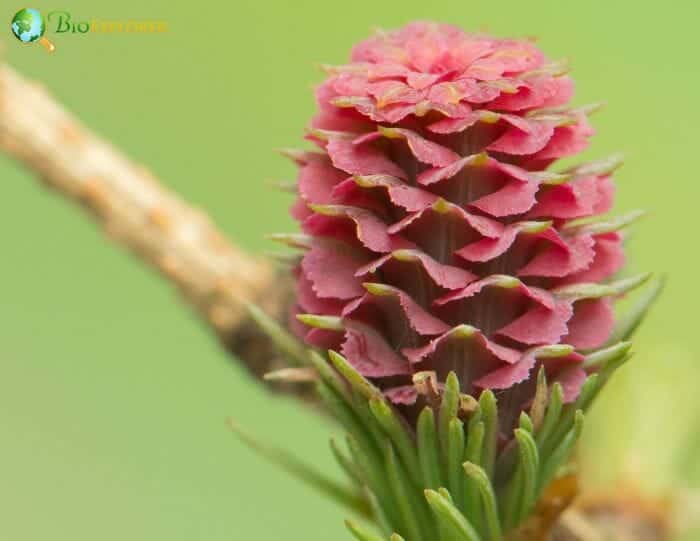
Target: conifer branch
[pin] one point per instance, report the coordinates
(142, 215)
(214, 276)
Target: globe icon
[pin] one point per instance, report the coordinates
(28, 25)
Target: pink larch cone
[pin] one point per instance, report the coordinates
(439, 236)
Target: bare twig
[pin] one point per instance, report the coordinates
(135, 210)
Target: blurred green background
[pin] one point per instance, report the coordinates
(113, 394)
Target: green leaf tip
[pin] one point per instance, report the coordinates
(488, 499)
(634, 317)
(379, 290)
(600, 227)
(286, 343)
(526, 423)
(357, 381)
(604, 166)
(327, 135)
(293, 240)
(597, 291)
(360, 533)
(331, 323)
(449, 407)
(529, 467)
(552, 414)
(554, 351)
(603, 357)
(489, 411)
(428, 454)
(541, 400)
(446, 512)
(299, 156)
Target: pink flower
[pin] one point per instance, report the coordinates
(442, 237)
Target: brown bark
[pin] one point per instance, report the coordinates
(135, 210)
